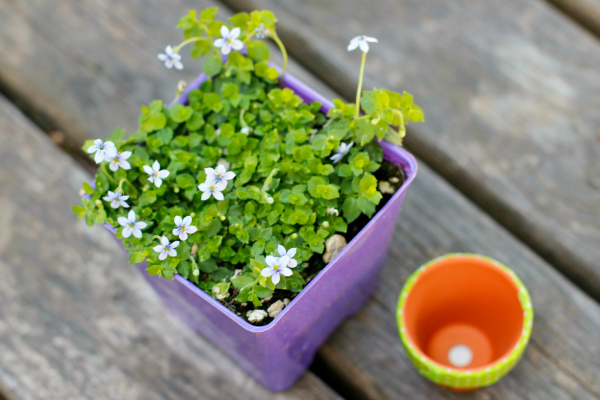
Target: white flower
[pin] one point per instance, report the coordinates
(166, 249)
(341, 151)
(156, 175)
(245, 130)
(280, 265)
(171, 58)
(288, 253)
(219, 175)
(213, 189)
(333, 211)
(131, 225)
(229, 40)
(362, 42)
(102, 150)
(260, 31)
(117, 199)
(184, 227)
(119, 160)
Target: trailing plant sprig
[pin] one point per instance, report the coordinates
(243, 184)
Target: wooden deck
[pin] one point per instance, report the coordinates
(509, 167)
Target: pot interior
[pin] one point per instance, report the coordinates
(464, 313)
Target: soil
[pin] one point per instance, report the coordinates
(388, 172)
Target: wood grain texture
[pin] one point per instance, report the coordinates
(76, 320)
(85, 67)
(562, 360)
(584, 12)
(511, 93)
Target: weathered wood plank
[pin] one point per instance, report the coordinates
(584, 12)
(78, 322)
(511, 92)
(563, 357)
(84, 68)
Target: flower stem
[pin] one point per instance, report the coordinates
(185, 42)
(283, 53)
(360, 83)
(124, 180)
(103, 166)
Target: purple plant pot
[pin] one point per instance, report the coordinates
(278, 353)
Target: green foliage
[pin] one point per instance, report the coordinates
(285, 179)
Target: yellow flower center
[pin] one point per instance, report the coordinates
(183, 228)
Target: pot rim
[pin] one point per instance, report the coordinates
(466, 378)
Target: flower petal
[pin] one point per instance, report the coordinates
(148, 169)
(275, 278)
(292, 263)
(219, 42)
(186, 221)
(164, 241)
(267, 272)
(157, 182)
(364, 46)
(137, 233)
(113, 166)
(140, 225)
(124, 164)
(177, 231)
(229, 175)
(122, 221)
(218, 195)
(225, 31)
(126, 231)
(191, 229)
(291, 252)
(163, 173)
(282, 251)
(93, 148)
(178, 220)
(131, 216)
(205, 196)
(287, 272)
(173, 253)
(237, 44)
(99, 156)
(155, 166)
(235, 33)
(178, 65)
(271, 261)
(158, 248)
(162, 255)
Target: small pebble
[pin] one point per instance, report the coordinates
(266, 299)
(286, 302)
(256, 315)
(275, 308)
(385, 187)
(333, 246)
(394, 179)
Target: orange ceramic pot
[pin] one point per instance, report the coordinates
(464, 320)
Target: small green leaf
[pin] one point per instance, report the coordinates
(88, 188)
(212, 65)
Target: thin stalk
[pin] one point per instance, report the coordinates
(283, 52)
(103, 166)
(186, 42)
(360, 84)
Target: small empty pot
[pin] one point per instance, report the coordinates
(464, 320)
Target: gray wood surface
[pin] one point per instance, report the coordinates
(76, 320)
(82, 68)
(511, 93)
(562, 360)
(584, 12)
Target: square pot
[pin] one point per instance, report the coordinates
(278, 353)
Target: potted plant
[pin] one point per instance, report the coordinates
(237, 202)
